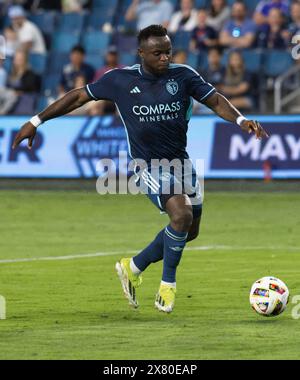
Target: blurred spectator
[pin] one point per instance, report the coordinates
(239, 32)
(294, 28)
(215, 72)
(149, 12)
(11, 41)
(264, 7)
(21, 88)
(203, 36)
(273, 35)
(29, 36)
(22, 78)
(73, 5)
(80, 81)
(237, 83)
(74, 68)
(111, 62)
(185, 19)
(218, 14)
(180, 57)
(3, 74)
(105, 107)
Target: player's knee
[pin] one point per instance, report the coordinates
(182, 219)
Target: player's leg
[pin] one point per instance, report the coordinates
(180, 211)
(130, 269)
(154, 252)
(195, 227)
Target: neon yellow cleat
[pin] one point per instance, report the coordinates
(165, 298)
(129, 281)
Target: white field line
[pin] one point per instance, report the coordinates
(124, 253)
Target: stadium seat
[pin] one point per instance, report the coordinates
(192, 60)
(26, 104)
(38, 62)
(56, 61)
(203, 61)
(95, 59)
(64, 41)
(105, 9)
(46, 21)
(276, 62)
(201, 4)
(181, 40)
(230, 2)
(124, 26)
(71, 22)
(41, 104)
(104, 4)
(253, 60)
(50, 84)
(95, 41)
(175, 4)
(251, 5)
(5, 22)
(7, 64)
(128, 59)
(121, 24)
(252, 57)
(125, 43)
(95, 21)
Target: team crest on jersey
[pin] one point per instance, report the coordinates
(172, 87)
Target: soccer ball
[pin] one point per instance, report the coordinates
(269, 296)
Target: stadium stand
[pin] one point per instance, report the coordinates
(103, 24)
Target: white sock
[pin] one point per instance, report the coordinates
(172, 284)
(134, 269)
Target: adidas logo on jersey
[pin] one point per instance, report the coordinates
(135, 90)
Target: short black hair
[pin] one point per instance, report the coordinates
(78, 49)
(151, 31)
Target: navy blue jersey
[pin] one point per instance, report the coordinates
(155, 110)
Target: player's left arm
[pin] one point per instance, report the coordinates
(222, 107)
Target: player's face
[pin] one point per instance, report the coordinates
(156, 54)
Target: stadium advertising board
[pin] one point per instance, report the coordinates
(71, 147)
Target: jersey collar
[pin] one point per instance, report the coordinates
(151, 76)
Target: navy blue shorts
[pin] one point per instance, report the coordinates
(162, 182)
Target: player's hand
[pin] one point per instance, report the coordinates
(253, 126)
(28, 131)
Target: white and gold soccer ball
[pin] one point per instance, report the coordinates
(269, 296)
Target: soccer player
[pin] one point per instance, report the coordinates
(154, 100)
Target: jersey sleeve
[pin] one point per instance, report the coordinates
(198, 88)
(103, 88)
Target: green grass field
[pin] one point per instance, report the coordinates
(75, 309)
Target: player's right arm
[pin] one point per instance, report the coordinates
(69, 102)
(104, 88)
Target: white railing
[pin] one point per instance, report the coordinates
(281, 100)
